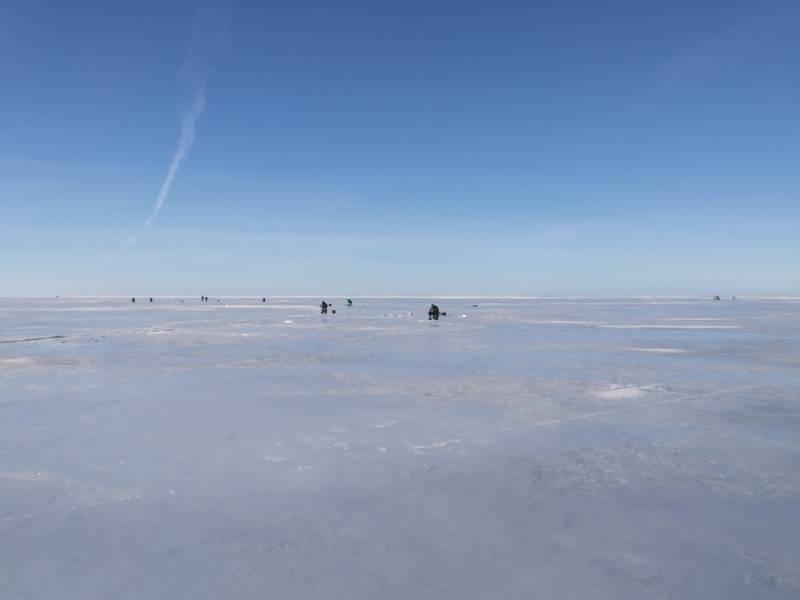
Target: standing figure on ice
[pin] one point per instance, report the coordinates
(433, 313)
(349, 303)
(323, 308)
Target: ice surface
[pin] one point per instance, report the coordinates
(547, 448)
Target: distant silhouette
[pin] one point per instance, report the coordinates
(263, 300)
(349, 303)
(433, 313)
(323, 308)
(151, 299)
(133, 300)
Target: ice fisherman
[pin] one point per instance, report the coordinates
(349, 303)
(433, 313)
(323, 308)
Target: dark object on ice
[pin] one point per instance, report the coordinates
(263, 300)
(474, 306)
(151, 299)
(716, 297)
(444, 314)
(433, 313)
(133, 300)
(323, 308)
(333, 312)
(349, 303)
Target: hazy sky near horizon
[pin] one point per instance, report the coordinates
(375, 147)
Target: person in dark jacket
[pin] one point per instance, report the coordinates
(323, 308)
(133, 300)
(349, 303)
(433, 313)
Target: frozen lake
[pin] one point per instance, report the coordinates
(546, 448)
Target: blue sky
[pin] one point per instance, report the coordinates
(543, 148)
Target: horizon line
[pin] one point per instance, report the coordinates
(418, 296)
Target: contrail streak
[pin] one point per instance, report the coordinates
(184, 145)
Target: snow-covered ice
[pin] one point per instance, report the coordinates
(521, 448)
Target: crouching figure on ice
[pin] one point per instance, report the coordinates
(323, 308)
(433, 313)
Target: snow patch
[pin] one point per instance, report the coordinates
(273, 458)
(434, 446)
(618, 392)
(672, 326)
(17, 362)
